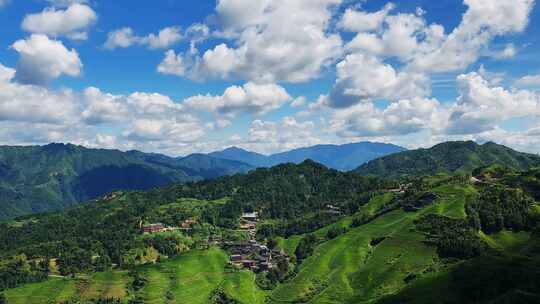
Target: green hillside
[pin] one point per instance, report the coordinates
(348, 269)
(193, 276)
(449, 157)
(46, 178)
(440, 239)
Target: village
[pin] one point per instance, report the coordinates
(246, 254)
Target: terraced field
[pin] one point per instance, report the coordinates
(188, 279)
(347, 269)
(100, 285)
(54, 290)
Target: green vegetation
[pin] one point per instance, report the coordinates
(498, 208)
(101, 285)
(192, 276)
(388, 254)
(52, 177)
(450, 157)
(110, 228)
(350, 239)
(454, 238)
(507, 241)
(350, 268)
(529, 181)
(486, 279)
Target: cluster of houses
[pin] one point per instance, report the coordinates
(251, 254)
(188, 224)
(248, 254)
(402, 188)
(248, 220)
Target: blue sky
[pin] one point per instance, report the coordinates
(268, 75)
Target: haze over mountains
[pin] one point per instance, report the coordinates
(341, 157)
(52, 177)
(46, 178)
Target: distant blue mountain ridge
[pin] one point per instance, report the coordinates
(46, 178)
(341, 157)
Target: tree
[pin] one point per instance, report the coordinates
(272, 243)
(305, 247)
(498, 208)
(74, 261)
(102, 263)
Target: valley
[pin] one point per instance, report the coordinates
(269, 152)
(35, 179)
(338, 238)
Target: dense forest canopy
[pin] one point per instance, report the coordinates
(111, 226)
(37, 179)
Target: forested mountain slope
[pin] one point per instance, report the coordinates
(339, 237)
(449, 157)
(285, 192)
(44, 178)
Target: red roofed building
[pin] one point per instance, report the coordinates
(153, 228)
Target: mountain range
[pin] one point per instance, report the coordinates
(330, 236)
(37, 179)
(341, 157)
(45, 178)
(448, 157)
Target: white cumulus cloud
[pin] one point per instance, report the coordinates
(482, 22)
(66, 3)
(72, 22)
(33, 104)
(359, 21)
(285, 134)
(43, 59)
(481, 106)
(398, 118)
(364, 77)
(250, 98)
(32, 114)
(126, 37)
(271, 41)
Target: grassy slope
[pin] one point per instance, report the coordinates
(190, 279)
(289, 244)
(509, 244)
(99, 285)
(241, 286)
(52, 290)
(348, 270)
(507, 241)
